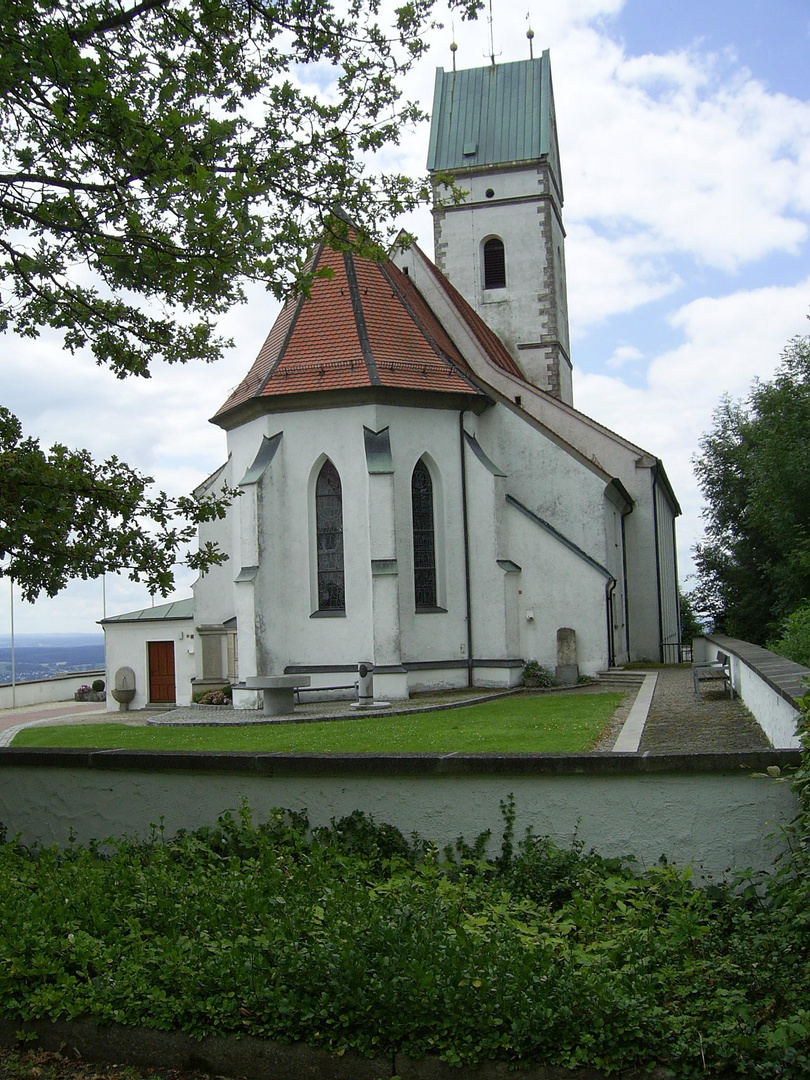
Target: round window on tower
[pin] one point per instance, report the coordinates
(490, 194)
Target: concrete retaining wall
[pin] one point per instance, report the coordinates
(262, 1059)
(43, 691)
(699, 808)
(769, 685)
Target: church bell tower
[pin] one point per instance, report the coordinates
(494, 135)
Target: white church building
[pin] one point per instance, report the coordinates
(419, 492)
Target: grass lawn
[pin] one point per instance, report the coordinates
(541, 723)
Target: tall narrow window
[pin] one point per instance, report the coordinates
(424, 540)
(494, 264)
(329, 525)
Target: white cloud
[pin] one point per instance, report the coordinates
(622, 356)
(698, 158)
(608, 276)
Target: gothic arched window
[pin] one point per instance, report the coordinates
(424, 539)
(329, 526)
(494, 264)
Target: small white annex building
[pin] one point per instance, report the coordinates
(418, 491)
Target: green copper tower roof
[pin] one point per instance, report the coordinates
(492, 115)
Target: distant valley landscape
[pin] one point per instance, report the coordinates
(41, 656)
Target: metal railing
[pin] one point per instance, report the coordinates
(673, 652)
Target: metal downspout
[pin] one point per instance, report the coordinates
(626, 589)
(677, 593)
(609, 587)
(466, 547)
(657, 571)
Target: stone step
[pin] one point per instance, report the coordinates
(620, 679)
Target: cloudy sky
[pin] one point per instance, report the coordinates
(685, 141)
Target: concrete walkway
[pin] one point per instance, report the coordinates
(58, 711)
(629, 737)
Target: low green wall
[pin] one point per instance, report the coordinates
(705, 809)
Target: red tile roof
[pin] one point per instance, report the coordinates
(365, 325)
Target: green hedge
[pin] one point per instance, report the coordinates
(356, 937)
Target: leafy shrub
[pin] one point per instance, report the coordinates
(98, 685)
(794, 639)
(352, 936)
(535, 674)
(221, 696)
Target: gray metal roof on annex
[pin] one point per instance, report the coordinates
(177, 609)
(491, 115)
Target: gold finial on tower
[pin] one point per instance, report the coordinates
(530, 36)
(454, 50)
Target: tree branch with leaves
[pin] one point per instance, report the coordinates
(64, 516)
(753, 564)
(157, 155)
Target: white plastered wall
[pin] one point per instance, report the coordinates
(127, 645)
(274, 527)
(609, 453)
(522, 211)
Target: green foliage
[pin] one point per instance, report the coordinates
(515, 724)
(97, 685)
(540, 955)
(690, 624)
(64, 516)
(534, 674)
(754, 470)
(794, 636)
(164, 147)
(156, 156)
(223, 695)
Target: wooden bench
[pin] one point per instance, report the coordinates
(279, 691)
(718, 670)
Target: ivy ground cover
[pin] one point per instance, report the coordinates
(519, 723)
(354, 937)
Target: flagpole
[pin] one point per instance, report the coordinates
(13, 666)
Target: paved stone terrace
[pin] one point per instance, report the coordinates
(679, 721)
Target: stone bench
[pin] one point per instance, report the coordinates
(278, 690)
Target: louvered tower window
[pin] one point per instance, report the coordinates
(424, 540)
(494, 264)
(329, 525)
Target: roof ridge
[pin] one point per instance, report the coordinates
(299, 304)
(360, 319)
(491, 342)
(421, 327)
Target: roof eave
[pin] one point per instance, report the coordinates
(473, 400)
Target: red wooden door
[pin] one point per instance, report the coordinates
(161, 671)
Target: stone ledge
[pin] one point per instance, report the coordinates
(263, 1059)
(424, 764)
(785, 677)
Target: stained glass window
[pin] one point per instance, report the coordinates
(424, 542)
(494, 264)
(329, 526)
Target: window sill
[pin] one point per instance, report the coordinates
(430, 611)
(328, 614)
